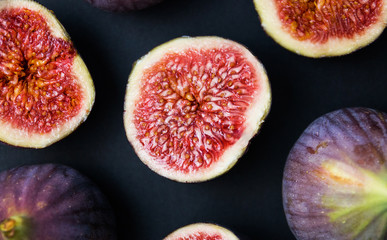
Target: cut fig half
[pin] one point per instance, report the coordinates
(335, 178)
(202, 231)
(193, 104)
(46, 90)
(319, 28)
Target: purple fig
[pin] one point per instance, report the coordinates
(48, 202)
(123, 5)
(335, 179)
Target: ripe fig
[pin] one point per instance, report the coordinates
(193, 104)
(49, 202)
(335, 179)
(46, 89)
(123, 5)
(322, 28)
(202, 231)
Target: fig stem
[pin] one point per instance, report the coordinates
(7, 227)
(15, 228)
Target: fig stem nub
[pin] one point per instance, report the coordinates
(7, 227)
(15, 227)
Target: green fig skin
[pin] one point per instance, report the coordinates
(335, 178)
(52, 201)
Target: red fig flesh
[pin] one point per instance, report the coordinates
(202, 231)
(323, 27)
(193, 104)
(46, 89)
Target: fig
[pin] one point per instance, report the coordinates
(202, 231)
(319, 28)
(52, 201)
(123, 5)
(193, 104)
(335, 179)
(45, 90)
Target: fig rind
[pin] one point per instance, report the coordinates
(271, 23)
(335, 178)
(206, 228)
(256, 112)
(18, 137)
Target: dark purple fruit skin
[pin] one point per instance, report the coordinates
(60, 203)
(357, 135)
(123, 5)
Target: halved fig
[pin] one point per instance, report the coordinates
(335, 179)
(45, 88)
(52, 201)
(202, 231)
(123, 5)
(318, 28)
(193, 104)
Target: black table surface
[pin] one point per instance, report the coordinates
(248, 198)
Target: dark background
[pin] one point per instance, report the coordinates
(248, 198)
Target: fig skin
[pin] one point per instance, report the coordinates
(206, 228)
(54, 202)
(123, 5)
(335, 46)
(335, 178)
(255, 114)
(16, 135)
